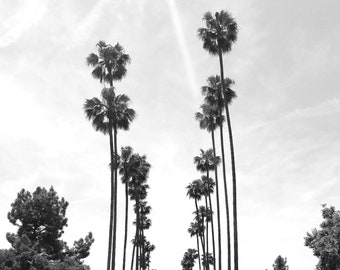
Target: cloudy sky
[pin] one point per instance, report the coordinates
(285, 64)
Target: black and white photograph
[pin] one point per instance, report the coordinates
(170, 134)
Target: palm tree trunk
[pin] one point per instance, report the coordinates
(126, 219)
(133, 255)
(137, 235)
(113, 262)
(142, 261)
(207, 230)
(198, 249)
(218, 206)
(201, 236)
(212, 223)
(225, 195)
(111, 201)
(233, 170)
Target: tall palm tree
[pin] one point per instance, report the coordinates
(110, 62)
(210, 119)
(196, 229)
(148, 248)
(128, 167)
(218, 37)
(138, 192)
(214, 96)
(194, 191)
(110, 114)
(206, 162)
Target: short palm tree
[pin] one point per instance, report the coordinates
(108, 114)
(109, 64)
(210, 119)
(189, 258)
(218, 37)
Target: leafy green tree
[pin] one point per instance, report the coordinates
(280, 263)
(218, 37)
(325, 241)
(40, 218)
(110, 114)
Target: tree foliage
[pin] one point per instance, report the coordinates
(280, 263)
(325, 241)
(40, 218)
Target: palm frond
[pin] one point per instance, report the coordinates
(92, 59)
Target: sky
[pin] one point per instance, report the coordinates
(285, 120)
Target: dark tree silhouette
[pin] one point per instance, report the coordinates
(109, 64)
(325, 241)
(218, 37)
(110, 114)
(280, 263)
(41, 217)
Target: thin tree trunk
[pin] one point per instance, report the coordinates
(207, 230)
(133, 255)
(233, 170)
(225, 195)
(126, 219)
(113, 263)
(212, 223)
(137, 234)
(111, 201)
(198, 249)
(201, 236)
(218, 206)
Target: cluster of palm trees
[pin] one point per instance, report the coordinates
(218, 36)
(108, 114)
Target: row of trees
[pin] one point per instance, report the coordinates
(218, 36)
(109, 114)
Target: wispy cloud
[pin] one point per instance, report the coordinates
(28, 15)
(176, 21)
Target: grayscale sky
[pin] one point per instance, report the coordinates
(286, 66)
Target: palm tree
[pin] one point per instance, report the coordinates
(110, 113)
(218, 37)
(194, 191)
(210, 119)
(188, 261)
(214, 97)
(206, 162)
(110, 62)
(128, 167)
(197, 230)
(148, 249)
(138, 192)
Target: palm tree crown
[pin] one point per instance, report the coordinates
(214, 96)
(206, 161)
(110, 63)
(220, 32)
(195, 189)
(209, 118)
(110, 112)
